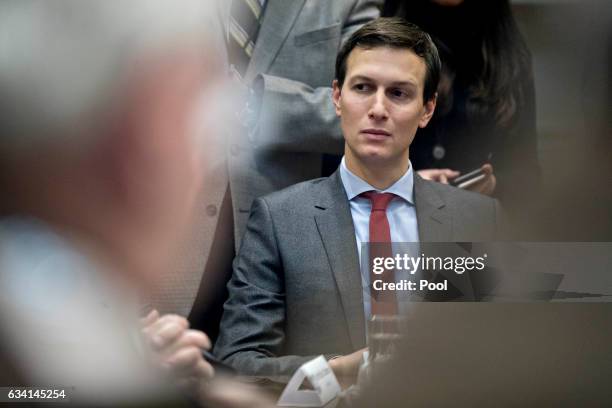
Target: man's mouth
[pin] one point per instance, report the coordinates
(376, 133)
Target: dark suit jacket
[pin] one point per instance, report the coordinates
(296, 287)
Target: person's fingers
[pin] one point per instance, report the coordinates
(439, 175)
(204, 369)
(189, 338)
(189, 362)
(477, 187)
(150, 318)
(196, 338)
(450, 174)
(425, 174)
(486, 186)
(490, 182)
(184, 358)
(168, 318)
(200, 369)
(352, 362)
(166, 329)
(490, 187)
(167, 334)
(487, 168)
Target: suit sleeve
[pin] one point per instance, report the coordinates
(299, 118)
(252, 331)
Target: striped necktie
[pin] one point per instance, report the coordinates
(245, 17)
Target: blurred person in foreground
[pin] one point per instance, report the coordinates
(297, 291)
(102, 111)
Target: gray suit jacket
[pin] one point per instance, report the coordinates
(296, 287)
(293, 65)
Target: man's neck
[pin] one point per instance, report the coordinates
(381, 175)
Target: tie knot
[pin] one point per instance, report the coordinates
(380, 201)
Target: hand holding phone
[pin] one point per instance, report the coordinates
(468, 179)
(481, 180)
(440, 175)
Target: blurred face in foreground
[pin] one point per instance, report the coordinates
(169, 125)
(381, 106)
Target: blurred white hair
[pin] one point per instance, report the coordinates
(62, 61)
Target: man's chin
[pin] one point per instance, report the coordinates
(376, 157)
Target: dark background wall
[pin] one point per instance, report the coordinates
(570, 43)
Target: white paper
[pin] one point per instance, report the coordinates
(324, 383)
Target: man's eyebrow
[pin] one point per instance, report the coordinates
(409, 84)
(365, 78)
(361, 78)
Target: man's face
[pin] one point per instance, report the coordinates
(381, 104)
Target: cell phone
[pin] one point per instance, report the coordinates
(468, 179)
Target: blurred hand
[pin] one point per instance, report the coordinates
(177, 350)
(346, 367)
(440, 175)
(224, 393)
(486, 185)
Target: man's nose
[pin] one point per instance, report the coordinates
(378, 110)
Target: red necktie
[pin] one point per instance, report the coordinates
(383, 301)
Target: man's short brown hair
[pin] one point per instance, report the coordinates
(394, 32)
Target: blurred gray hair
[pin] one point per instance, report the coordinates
(62, 62)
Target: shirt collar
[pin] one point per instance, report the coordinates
(354, 185)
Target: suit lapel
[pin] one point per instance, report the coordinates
(432, 215)
(335, 225)
(279, 16)
(435, 225)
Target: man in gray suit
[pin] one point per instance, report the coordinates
(282, 52)
(296, 289)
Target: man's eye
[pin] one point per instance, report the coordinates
(399, 93)
(362, 87)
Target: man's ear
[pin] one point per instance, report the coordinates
(428, 111)
(336, 94)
